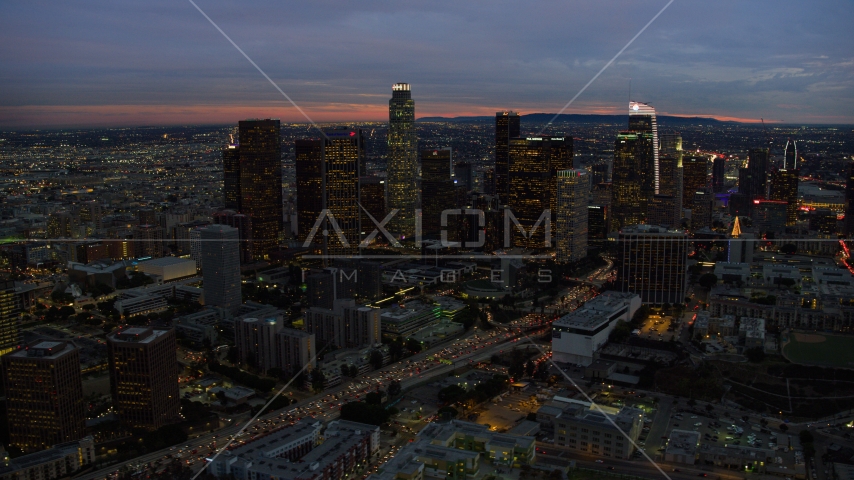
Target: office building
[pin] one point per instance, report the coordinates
(144, 376)
(719, 174)
(59, 461)
(632, 179)
(848, 225)
(642, 120)
(11, 308)
(402, 161)
(231, 176)
(784, 187)
(437, 193)
(328, 193)
(60, 225)
(769, 216)
(695, 177)
(571, 225)
(589, 430)
(823, 221)
(166, 268)
(464, 176)
(753, 179)
(701, 209)
(261, 182)
(651, 262)
(740, 245)
(534, 163)
(406, 319)
(220, 254)
(44, 395)
(600, 173)
(597, 223)
(86, 252)
(243, 224)
(295, 349)
(149, 240)
(296, 452)
(372, 195)
(578, 335)
(507, 126)
(662, 211)
(671, 181)
(346, 325)
(255, 341)
(146, 216)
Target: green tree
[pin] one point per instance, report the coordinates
(318, 380)
(374, 398)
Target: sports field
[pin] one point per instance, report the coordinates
(820, 349)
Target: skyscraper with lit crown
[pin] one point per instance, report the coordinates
(642, 120)
(402, 158)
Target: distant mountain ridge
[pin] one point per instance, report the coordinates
(583, 118)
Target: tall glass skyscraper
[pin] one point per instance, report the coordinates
(437, 190)
(632, 179)
(507, 126)
(402, 161)
(261, 182)
(573, 187)
(534, 163)
(327, 172)
(642, 120)
(231, 180)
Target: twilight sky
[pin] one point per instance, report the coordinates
(157, 62)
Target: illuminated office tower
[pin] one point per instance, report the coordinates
(11, 307)
(402, 161)
(144, 376)
(261, 182)
(231, 176)
(507, 126)
(848, 223)
(534, 163)
(753, 179)
(60, 225)
(44, 395)
(695, 177)
(372, 195)
(671, 172)
(784, 187)
(220, 254)
(632, 179)
(327, 172)
(651, 262)
(437, 191)
(642, 120)
(718, 174)
(573, 188)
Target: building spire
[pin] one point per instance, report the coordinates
(736, 229)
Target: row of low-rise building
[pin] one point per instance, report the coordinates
(457, 450)
(300, 452)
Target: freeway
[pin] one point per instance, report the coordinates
(472, 347)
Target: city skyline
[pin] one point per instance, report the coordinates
(164, 64)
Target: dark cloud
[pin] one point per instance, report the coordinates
(785, 60)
